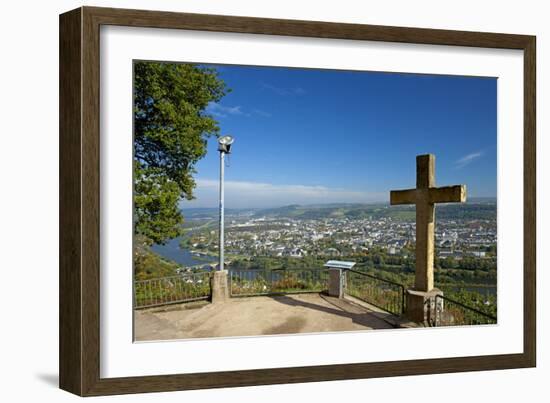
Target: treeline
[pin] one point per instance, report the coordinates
(148, 264)
(466, 263)
(273, 263)
(482, 211)
(400, 271)
(468, 211)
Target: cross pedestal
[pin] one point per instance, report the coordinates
(425, 195)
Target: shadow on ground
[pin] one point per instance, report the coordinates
(49, 379)
(341, 308)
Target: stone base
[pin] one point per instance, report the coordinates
(335, 283)
(219, 287)
(417, 305)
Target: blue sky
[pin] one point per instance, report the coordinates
(322, 136)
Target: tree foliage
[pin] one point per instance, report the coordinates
(171, 128)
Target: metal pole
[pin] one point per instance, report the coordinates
(222, 157)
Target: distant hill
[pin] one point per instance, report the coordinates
(475, 208)
(212, 212)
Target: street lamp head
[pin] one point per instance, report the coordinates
(224, 144)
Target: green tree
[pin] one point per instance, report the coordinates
(171, 128)
(378, 259)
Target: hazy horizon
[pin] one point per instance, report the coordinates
(475, 200)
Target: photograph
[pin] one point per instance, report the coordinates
(277, 200)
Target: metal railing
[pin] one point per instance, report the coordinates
(384, 294)
(171, 290)
(244, 283)
(444, 311)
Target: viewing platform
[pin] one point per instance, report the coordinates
(261, 315)
(254, 302)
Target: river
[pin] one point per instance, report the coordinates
(171, 250)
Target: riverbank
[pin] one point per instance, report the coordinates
(172, 251)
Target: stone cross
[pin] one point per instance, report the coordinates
(425, 196)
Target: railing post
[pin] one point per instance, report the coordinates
(403, 306)
(438, 308)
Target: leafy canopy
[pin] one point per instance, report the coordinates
(171, 128)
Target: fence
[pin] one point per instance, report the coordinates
(279, 281)
(171, 290)
(444, 311)
(381, 293)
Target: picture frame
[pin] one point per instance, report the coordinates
(79, 277)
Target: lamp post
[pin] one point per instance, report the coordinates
(224, 147)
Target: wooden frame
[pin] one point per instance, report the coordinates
(79, 201)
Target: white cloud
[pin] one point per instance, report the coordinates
(223, 111)
(467, 159)
(242, 194)
(262, 113)
(284, 91)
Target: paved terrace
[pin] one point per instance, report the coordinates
(263, 315)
